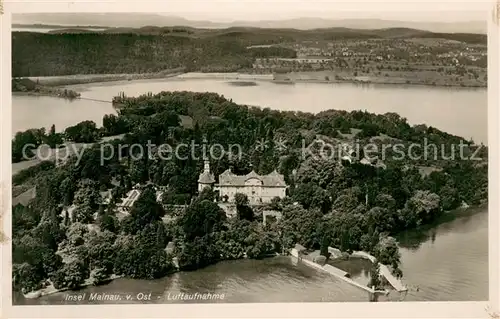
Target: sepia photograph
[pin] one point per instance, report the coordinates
(268, 155)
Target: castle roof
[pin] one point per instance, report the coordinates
(206, 178)
(274, 179)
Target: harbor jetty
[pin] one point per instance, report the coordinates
(384, 271)
(311, 260)
(334, 271)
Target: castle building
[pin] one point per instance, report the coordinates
(260, 189)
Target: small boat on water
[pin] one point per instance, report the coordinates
(283, 82)
(243, 83)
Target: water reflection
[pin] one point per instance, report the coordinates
(358, 269)
(447, 262)
(450, 222)
(451, 264)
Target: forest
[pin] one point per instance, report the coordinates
(29, 86)
(93, 53)
(330, 202)
(153, 49)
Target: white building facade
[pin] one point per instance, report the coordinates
(260, 189)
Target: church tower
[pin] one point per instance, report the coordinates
(206, 166)
(206, 178)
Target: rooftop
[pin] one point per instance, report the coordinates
(25, 198)
(273, 179)
(206, 178)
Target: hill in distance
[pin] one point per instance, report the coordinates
(138, 20)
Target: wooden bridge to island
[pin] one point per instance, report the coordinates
(94, 100)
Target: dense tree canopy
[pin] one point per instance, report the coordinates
(130, 53)
(348, 204)
(145, 211)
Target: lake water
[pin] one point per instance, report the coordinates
(457, 111)
(447, 263)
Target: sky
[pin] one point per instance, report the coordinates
(254, 10)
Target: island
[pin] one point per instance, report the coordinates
(119, 212)
(24, 85)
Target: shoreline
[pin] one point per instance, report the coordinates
(50, 289)
(407, 238)
(269, 77)
(76, 79)
(354, 81)
(336, 254)
(470, 211)
(447, 217)
(18, 93)
(26, 86)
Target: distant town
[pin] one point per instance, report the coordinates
(386, 56)
(425, 61)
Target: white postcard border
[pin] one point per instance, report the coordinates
(286, 310)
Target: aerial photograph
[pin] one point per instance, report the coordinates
(275, 158)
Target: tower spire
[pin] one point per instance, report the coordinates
(206, 165)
